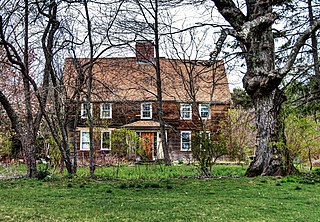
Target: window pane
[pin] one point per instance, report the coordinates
(146, 110)
(85, 146)
(106, 110)
(106, 106)
(84, 110)
(105, 140)
(146, 107)
(85, 141)
(204, 110)
(186, 111)
(85, 137)
(186, 140)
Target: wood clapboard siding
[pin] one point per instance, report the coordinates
(128, 112)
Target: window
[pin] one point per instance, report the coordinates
(185, 111)
(186, 140)
(204, 111)
(105, 140)
(84, 110)
(146, 111)
(84, 140)
(105, 110)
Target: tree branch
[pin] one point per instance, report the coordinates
(231, 13)
(14, 119)
(223, 36)
(248, 26)
(296, 48)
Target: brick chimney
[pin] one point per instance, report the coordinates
(144, 51)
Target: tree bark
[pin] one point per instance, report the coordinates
(268, 159)
(29, 145)
(262, 85)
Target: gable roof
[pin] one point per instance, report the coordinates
(123, 79)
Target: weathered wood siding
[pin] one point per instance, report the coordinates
(128, 112)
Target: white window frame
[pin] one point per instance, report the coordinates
(142, 110)
(183, 111)
(81, 140)
(181, 141)
(84, 115)
(105, 131)
(102, 111)
(200, 110)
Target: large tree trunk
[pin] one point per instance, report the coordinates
(261, 83)
(269, 153)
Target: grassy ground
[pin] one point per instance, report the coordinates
(167, 198)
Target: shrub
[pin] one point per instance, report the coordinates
(207, 150)
(42, 171)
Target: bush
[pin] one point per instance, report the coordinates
(42, 171)
(207, 150)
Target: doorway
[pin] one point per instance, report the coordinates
(151, 144)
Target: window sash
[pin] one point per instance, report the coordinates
(146, 111)
(84, 113)
(186, 111)
(85, 140)
(105, 140)
(204, 110)
(106, 110)
(185, 140)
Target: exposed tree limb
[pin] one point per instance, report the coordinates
(219, 44)
(14, 119)
(247, 27)
(296, 48)
(231, 13)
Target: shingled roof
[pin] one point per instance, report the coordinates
(125, 79)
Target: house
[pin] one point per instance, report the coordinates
(195, 97)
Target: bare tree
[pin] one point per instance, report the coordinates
(96, 41)
(20, 59)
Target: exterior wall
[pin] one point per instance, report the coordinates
(127, 112)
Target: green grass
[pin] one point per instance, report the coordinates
(166, 198)
(154, 171)
(12, 170)
(143, 171)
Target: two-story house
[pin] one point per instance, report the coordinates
(195, 96)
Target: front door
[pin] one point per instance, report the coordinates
(147, 143)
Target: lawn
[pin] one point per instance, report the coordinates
(163, 199)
